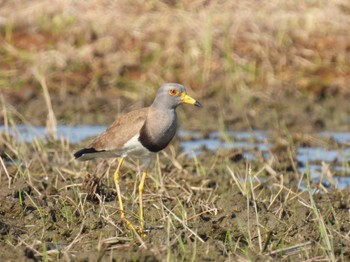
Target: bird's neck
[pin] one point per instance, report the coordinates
(165, 119)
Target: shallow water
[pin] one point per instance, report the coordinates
(193, 142)
(75, 134)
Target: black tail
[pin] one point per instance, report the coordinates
(84, 151)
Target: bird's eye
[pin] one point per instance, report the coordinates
(173, 92)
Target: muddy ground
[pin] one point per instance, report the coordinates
(53, 208)
(278, 66)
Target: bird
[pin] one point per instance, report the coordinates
(139, 134)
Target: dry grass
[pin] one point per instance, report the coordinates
(205, 207)
(208, 45)
(53, 207)
(240, 54)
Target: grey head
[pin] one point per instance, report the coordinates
(161, 123)
(170, 95)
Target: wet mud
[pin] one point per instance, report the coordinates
(214, 206)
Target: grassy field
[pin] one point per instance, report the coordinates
(214, 207)
(210, 46)
(237, 57)
(280, 66)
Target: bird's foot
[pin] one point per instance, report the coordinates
(141, 232)
(138, 230)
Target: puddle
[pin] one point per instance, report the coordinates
(75, 134)
(314, 154)
(247, 142)
(316, 177)
(340, 137)
(215, 140)
(194, 142)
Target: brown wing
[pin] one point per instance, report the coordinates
(121, 131)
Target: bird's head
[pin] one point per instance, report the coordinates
(171, 95)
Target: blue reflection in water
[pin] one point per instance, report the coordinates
(340, 137)
(75, 134)
(308, 154)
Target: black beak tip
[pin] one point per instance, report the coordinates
(198, 104)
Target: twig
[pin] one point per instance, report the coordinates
(51, 122)
(178, 219)
(6, 172)
(291, 250)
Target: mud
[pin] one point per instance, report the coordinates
(53, 208)
(252, 68)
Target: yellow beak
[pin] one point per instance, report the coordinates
(185, 98)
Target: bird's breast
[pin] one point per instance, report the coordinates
(156, 135)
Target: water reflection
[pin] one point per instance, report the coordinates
(75, 134)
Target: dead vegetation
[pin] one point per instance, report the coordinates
(275, 65)
(214, 46)
(209, 207)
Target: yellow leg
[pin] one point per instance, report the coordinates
(121, 207)
(141, 187)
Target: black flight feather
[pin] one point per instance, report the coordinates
(86, 151)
